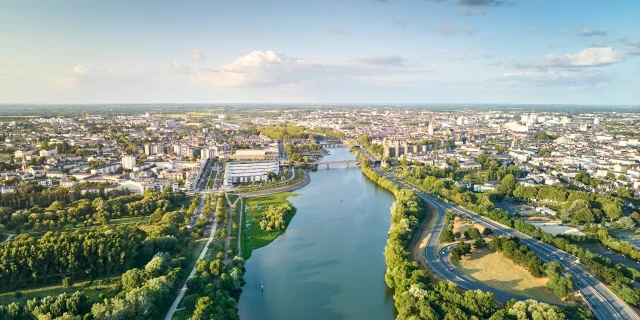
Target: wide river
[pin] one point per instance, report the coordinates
(329, 264)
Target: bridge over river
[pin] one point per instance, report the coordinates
(347, 162)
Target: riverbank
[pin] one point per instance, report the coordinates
(329, 260)
(253, 236)
(305, 181)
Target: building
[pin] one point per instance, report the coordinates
(244, 172)
(150, 149)
(128, 162)
(49, 153)
(255, 154)
(471, 165)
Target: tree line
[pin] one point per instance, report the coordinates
(418, 298)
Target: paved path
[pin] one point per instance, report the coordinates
(9, 236)
(229, 228)
(594, 292)
(240, 226)
(183, 290)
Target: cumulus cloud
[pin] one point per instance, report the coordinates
(589, 57)
(272, 69)
(197, 55)
(590, 32)
(384, 61)
(468, 13)
(79, 69)
(71, 77)
(259, 68)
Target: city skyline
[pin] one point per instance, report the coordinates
(459, 51)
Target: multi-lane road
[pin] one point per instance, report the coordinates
(601, 300)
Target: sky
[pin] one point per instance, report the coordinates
(343, 51)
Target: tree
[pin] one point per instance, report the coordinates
(133, 278)
(158, 265)
(447, 236)
(479, 243)
(509, 184)
(487, 231)
(472, 233)
(66, 282)
(612, 210)
(562, 286)
(626, 223)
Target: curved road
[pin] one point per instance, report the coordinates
(601, 300)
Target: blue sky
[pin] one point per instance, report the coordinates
(394, 51)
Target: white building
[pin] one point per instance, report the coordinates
(49, 153)
(243, 172)
(128, 162)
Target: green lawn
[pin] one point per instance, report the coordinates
(213, 175)
(178, 205)
(252, 236)
(183, 314)
(232, 197)
(91, 288)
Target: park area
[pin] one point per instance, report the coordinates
(253, 237)
(495, 270)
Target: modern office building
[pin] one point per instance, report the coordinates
(243, 172)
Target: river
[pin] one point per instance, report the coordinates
(329, 264)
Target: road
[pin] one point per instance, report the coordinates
(601, 300)
(183, 290)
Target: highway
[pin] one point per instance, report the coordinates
(601, 300)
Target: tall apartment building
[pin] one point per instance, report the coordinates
(128, 162)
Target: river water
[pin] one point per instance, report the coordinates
(329, 264)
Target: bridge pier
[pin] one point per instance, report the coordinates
(327, 166)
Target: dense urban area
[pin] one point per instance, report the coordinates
(153, 212)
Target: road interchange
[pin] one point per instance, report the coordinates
(601, 300)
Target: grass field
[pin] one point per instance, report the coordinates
(91, 288)
(460, 225)
(252, 236)
(212, 178)
(496, 271)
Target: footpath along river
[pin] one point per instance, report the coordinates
(329, 264)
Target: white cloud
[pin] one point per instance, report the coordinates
(590, 32)
(555, 77)
(197, 55)
(589, 57)
(269, 68)
(79, 69)
(259, 68)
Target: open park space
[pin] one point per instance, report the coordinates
(255, 208)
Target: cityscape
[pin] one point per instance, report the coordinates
(404, 159)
